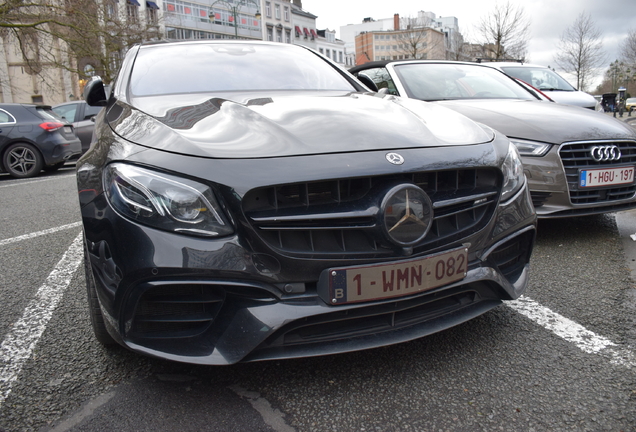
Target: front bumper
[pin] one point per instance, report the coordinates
(555, 192)
(217, 302)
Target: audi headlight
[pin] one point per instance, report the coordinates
(164, 201)
(513, 173)
(531, 148)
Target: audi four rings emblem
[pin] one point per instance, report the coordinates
(394, 158)
(605, 153)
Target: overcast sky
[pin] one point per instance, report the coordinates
(549, 18)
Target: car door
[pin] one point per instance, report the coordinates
(7, 123)
(85, 124)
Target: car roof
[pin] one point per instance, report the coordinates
(382, 63)
(69, 103)
(498, 65)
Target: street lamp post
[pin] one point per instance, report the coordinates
(235, 10)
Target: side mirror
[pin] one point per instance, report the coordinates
(364, 79)
(94, 93)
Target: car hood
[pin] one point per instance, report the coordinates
(577, 98)
(248, 126)
(542, 121)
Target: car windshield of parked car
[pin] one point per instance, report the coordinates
(541, 78)
(204, 68)
(439, 81)
(66, 111)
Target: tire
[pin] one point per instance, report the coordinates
(22, 160)
(97, 319)
(53, 168)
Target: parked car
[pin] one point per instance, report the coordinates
(630, 104)
(33, 138)
(578, 162)
(250, 200)
(82, 116)
(549, 82)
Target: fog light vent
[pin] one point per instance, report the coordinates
(176, 311)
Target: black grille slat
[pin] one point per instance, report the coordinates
(339, 217)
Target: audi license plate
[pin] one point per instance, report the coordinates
(606, 177)
(380, 281)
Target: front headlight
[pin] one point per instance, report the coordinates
(164, 201)
(531, 148)
(513, 173)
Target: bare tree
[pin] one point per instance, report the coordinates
(79, 36)
(628, 48)
(418, 40)
(581, 50)
(505, 31)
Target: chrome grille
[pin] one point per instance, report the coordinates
(337, 218)
(577, 156)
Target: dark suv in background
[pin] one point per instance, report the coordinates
(33, 138)
(82, 116)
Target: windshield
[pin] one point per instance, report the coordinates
(539, 77)
(439, 81)
(211, 67)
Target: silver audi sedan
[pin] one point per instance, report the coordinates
(577, 161)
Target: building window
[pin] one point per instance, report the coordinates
(286, 12)
(268, 9)
(151, 12)
(270, 34)
(287, 36)
(279, 35)
(132, 7)
(277, 11)
(111, 10)
(322, 51)
(340, 56)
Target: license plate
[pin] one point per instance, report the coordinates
(68, 129)
(381, 281)
(606, 177)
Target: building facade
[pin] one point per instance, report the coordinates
(210, 19)
(276, 18)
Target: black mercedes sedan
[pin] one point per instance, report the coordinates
(250, 200)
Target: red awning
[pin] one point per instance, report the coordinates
(298, 31)
(313, 33)
(306, 31)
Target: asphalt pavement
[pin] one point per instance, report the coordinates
(569, 364)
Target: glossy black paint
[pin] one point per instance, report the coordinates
(259, 296)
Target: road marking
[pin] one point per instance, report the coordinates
(39, 233)
(21, 340)
(569, 330)
(21, 183)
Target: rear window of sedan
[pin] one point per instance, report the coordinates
(203, 68)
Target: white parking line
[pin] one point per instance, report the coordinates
(567, 329)
(21, 183)
(39, 233)
(21, 340)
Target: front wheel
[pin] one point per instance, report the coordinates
(97, 319)
(22, 160)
